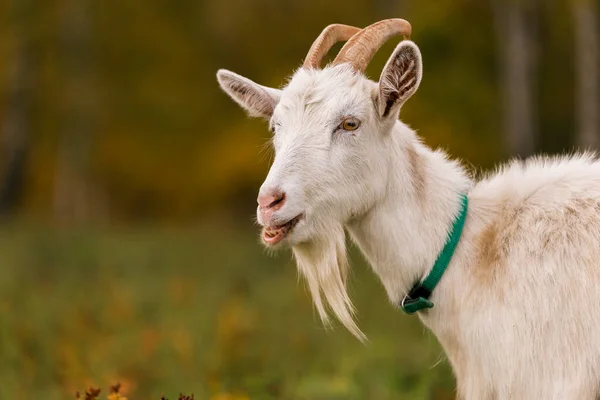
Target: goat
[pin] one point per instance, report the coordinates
(517, 309)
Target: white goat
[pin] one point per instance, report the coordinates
(518, 308)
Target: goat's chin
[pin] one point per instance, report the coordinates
(322, 260)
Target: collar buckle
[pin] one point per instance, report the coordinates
(416, 299)
(411, 306)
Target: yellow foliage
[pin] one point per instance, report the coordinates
(229, 396)
(150, 338)
(116, 396)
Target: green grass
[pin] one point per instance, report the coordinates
(200, 311)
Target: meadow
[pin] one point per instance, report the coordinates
(193, 311)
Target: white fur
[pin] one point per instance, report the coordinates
(518, 309)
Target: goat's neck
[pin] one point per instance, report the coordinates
(403, 233)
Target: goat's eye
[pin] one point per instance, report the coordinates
(350, 124)
(274, 127)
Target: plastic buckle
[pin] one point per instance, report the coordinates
(416, 299)
(411, 306)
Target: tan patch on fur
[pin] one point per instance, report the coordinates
(489, 257)
(417, 173)
(489, 252)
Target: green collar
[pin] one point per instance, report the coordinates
(417, 298)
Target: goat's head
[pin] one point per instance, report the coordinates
(328, 130)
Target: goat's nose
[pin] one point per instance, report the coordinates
(272, 200)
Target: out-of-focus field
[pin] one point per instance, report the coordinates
(199, 311)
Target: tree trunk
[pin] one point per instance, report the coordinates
(515, 22)
(76, 198)
(587, 70)
(15, 126)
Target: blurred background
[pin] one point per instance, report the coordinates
(128, 182)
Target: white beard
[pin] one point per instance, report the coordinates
(324, 264)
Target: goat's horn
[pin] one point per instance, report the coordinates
(331, 35)
(361, 48)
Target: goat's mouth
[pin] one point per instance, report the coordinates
(272, 235)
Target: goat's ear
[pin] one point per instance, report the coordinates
(400, 78)
(257, 100)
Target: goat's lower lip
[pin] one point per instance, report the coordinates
(275, 234)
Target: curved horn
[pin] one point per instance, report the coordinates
(331, 35)
(361, 48)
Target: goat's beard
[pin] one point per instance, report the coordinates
(324, 263)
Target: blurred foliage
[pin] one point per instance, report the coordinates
(159, 313)
(167, 144)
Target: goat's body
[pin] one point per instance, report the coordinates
(518, 309)
(526, 285)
